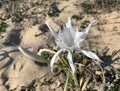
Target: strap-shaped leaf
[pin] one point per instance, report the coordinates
(32, 55)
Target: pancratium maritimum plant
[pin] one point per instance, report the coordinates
(68, 40)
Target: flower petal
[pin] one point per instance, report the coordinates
(69, 57)
(88, 27)
(90, 55)
(67, 37)
(54, 58)
(31, 55)
(60, 44)
(69, 26)
(52, 30)
(68, 23)
(79, 36)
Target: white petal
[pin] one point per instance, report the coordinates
(88, 27)
(69, 26)
(79, 36)
(52, 30)
(31, 55)
(68, 23)
(60, 44)
(90, 55)
(54, 58)
(69, 57)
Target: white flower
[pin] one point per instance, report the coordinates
(69, 40)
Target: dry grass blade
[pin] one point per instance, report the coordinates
(81, 82)
(86, 83)
(79, 64)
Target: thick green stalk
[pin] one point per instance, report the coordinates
(66, 83)
(76, 81)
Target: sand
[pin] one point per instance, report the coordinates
(16, 70)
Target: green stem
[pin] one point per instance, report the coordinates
(76, 81)
(66, 83)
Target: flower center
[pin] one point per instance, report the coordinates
(66, 37)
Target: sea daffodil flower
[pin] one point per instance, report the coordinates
(68, 40)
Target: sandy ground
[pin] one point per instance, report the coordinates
(16, 70)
